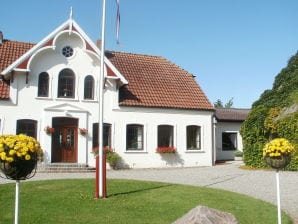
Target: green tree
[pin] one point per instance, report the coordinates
(274, 114)
(230, 103)
(219, 104)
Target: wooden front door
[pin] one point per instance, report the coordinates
(64, 141)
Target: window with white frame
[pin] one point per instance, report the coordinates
(106, 135)
(89, 88)
(66, 84)
(193, 136)
(134, 137)
(165, 135)
(27, 127)
(229, 141)
(43, 84)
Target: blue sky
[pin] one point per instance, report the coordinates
(235, 48)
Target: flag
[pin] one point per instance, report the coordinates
(118, 21)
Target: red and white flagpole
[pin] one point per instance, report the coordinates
(101, 166)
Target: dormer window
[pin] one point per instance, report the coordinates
(67, 51)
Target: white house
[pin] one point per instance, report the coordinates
(227, 132)
(50, 90)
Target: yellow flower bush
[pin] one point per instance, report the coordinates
(19, 147)
(278, 147)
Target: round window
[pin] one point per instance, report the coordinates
(67, 51)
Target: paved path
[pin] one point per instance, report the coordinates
(256, 183)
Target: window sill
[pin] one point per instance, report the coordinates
(131, 151)
(67, 99)
(43, 98)
(195, 151)
(89, 101)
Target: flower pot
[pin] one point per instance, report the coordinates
(166, 150)
(19, 170)
(278, 163)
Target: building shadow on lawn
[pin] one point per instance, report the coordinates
(139, 190)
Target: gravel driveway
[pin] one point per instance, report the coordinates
(228, 176)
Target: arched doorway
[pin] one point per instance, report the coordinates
(65, 140)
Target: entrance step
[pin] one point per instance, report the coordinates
(64, 168)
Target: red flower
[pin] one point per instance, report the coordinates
(106, 150)
(167, 149)
(49, 130)
(83, 131)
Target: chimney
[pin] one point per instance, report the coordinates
(1, 37)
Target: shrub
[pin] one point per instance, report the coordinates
(112, 157)
(238, 153)
(270, 117)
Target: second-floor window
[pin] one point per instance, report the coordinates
(43, 84)
(89, 88)
(66, 84)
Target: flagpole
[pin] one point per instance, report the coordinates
(101, 165)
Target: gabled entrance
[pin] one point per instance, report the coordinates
(65, 140)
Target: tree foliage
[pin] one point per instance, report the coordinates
(274, 114)
(219, 104)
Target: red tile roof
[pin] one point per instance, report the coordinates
(156, 82)
(231, 114)
(4, 89)
(9, 52)
(152, 81)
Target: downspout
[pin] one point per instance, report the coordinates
(213, 140)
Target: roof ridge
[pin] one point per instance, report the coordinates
(133, 53)
(17, 41)
(232, 108)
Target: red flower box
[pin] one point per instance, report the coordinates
(168, 149)
(49, 130)
(83, 131)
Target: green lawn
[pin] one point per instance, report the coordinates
(133, 202)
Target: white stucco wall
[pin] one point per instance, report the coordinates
(150, 119)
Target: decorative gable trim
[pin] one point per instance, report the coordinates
(66, 107)
(29, 53)
(23, 63)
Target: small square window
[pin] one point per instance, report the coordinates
(229, 141)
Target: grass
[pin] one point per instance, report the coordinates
(72, 201)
